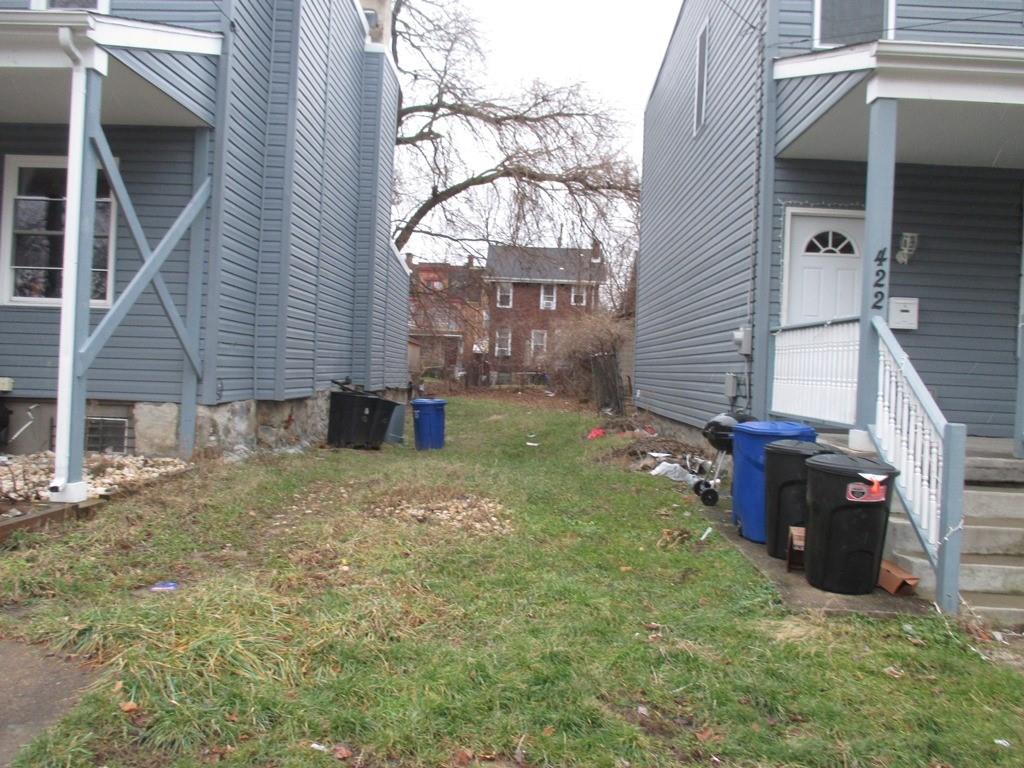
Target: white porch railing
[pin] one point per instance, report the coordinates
(913, 435)
(815, 374)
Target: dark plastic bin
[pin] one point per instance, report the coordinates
(748, 444)
(358, 420)
(428, 423)
(848, 502)
(785, 490)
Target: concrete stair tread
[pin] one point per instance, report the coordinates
(1004, 561)
(997, 609)
(987, 469)
(993, 600)
(993, 522)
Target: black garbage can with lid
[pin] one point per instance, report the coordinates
(358, 419)
(848, 501)
(785, 485)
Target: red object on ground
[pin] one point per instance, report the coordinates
(595, 434)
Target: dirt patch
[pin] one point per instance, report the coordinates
(465, 512)
(638, 449)
(797, 629)
(39, 689)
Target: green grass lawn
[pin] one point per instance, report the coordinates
(560, 634)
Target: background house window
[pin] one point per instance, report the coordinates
(548, 297)
(505, 295)
(538, 343)
(579, 296)
(32, 244)
(842, 22)
(503, 342)
(701, 87)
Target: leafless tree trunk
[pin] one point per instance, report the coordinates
(477, 167)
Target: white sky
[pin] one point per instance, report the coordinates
(613, 48)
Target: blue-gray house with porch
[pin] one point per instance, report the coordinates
(194, 222)
(831, 230)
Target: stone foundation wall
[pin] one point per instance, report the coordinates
(292, 423)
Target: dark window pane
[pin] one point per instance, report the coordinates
(42, 182)
(100, 252)
(42, 215)
(90, 4)
(102, 187)
(844, 22)
(102, 219)
(99, 285)
(39, 251)
(37, 283)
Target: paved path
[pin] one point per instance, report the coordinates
(36, 690)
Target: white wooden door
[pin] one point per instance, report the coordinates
(823, 268)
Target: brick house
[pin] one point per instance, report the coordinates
(530, 293)
(447, 315)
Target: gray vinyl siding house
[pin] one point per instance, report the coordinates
(832, 220)
(287, 278)
(715, 202)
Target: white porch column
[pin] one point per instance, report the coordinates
(79, 222)
(877, 257)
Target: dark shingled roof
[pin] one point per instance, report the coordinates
(563, 265)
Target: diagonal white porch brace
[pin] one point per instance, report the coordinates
(153, 260)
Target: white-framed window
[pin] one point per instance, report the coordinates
(32, 233)
(505, 295)
(503, 342)
(548, 297)
(578, 298)
(538, 342)
(100, 6)
(841, 22)
(700, 90)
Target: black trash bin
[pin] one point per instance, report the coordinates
(358, 420)
(848, 502)
(785, 488)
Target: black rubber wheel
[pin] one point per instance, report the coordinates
(709, 497)
(700, 486)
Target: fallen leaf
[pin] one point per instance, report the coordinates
(118, 686)
(643, 711)
(129, 706)
(894, 672)
(231, 718)
(625, 568)
(462, 757)
(705, 735)
(549, 730)
(341, 752)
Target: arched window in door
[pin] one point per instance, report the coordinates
(830, 242)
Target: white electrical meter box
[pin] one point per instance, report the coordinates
(6, 384)
(903, 314)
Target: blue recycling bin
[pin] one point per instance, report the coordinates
(748, 490)
(428, 423)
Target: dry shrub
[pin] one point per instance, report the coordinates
(577, 342)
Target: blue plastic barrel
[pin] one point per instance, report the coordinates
(748, 444)
(428, 423)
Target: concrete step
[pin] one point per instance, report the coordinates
(1000, 611)
(981, 535)
(991, 469)
(994, 501)
(995, 574)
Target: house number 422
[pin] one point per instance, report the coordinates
(881, 261)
